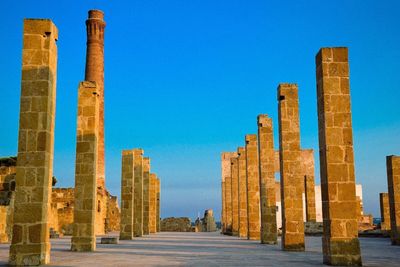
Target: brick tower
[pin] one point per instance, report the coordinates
(95, 72)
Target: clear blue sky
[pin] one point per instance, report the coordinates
(185, 80)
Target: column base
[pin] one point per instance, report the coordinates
(82, 244)
(341, 252)
(32, 255)
(125, 236)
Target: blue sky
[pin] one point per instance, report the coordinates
(185, 80)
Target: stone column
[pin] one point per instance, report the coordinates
(146, 195)
(266, 155)
(30, 243)
(127, 200)
(83, 237)
(385, 211)
(158, 211)
(292, 182)
(253, 187)
(309, 184)
(138, 192)
(94, 71)
(226, 176)
(235, 196)
(152, 208)
(393, 177)
(340, 239)
(223, 215)
(243, 222)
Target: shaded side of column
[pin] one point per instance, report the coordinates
(266, 155)
(292, 181)
(340, 239)
(385, 211)
(127, 199)
(83, 238)
(158, 199)
(138, 192)
(30, 241)
(235, 196)
(253, 187)
(146, 195)
(307, 156)
(223, 205)
(393, 176)
(243, 222)
(152, 206)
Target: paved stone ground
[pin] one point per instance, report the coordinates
(206, 249)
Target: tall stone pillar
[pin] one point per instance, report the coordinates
(83, 237)
(226, 177)
(309, 184)
(393, 177)
(94, 71)
(253, 187)
(266, 155)
(243, 222)
(152, 206)
(235, 196)
(340, 239)
(127, 199)
(292, 182)
(146, 195)
(223, 215)
(138, 192)
(158, 211)
(30, 242)
(385, 211)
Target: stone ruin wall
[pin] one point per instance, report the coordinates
(61, 214)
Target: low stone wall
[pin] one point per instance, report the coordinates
(172, 224)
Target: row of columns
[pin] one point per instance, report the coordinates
(340, 238)
(140, 196)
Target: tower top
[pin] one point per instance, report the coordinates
(96, 14)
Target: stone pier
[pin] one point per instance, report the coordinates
(253, 187)
(83, 237)
(292, 180)
(223, 212)
(127, 200)
(309, 184)
(138, 192)
(385, 211)
(227, 179)
(30, 242)
(94, 71)
(146, 195)
(235, 196)
(340, 240)
(158, 211)
(266, 157)
(153, 204)
(243, 222)
(393, 177)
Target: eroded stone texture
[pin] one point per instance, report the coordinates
(30, 242)
(243, 222)
(84, 238)
(138, 192)
(146, 195)
(309, 184)
(266, 155)
(393, 177)
(385, 211)
(127, 199)
(235, 196)
(340, 239)
(153, 204)
(158, 211)
(292, 182)
(253, 187)
(227, 179)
